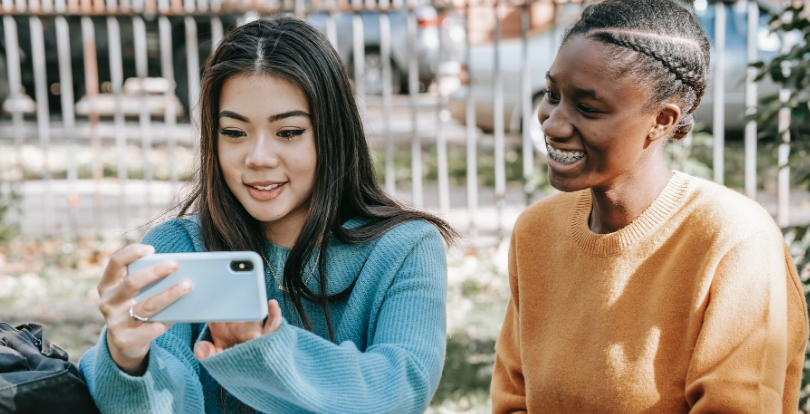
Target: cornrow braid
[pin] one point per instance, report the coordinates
(687, 76)
(675, 47)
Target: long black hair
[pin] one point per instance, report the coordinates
(657, 42)
(345, 186)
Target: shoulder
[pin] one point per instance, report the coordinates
(175, 236)
(547, 213)
(725, 214)
(405, 236)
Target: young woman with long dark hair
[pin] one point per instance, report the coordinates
(357, 282)
(638, 289)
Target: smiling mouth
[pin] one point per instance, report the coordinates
(565, 157)
(267, 188)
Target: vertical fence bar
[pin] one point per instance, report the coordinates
(718, 130)
(385, 56)
(413, 91)
(498, 124)
(472, 144)
(91, 82)
(526, 100)
(331, 27)
(43, 118)
(783, 153)
(117, 80)
(359, 55)
(751, 103)
(443, 116)
(193, 65)
(142, 72)
(15, 89)
(15, 94)
(68, 118)
(170, 116)
(217, 31)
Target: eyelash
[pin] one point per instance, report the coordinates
(552, 98)
(233, 134)
(287, 134)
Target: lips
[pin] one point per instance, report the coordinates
(265, 190)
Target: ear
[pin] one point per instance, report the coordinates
(665, 121)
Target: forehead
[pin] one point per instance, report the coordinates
(261, 95)
(585, 63)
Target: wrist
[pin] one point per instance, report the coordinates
(133, 366)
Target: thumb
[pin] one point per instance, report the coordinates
(203, 350)
(273, 317)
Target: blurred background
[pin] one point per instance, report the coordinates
(98, 138)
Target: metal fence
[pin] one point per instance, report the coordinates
(98, 66)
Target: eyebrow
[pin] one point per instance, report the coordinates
(288, 114)
(590, 93)
(273, 118)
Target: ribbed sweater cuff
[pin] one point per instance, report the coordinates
(250, 360)
(117, 391)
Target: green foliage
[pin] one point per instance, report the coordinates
(791, 71)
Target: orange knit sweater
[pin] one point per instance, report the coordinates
(695, 307)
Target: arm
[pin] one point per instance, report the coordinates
(741, 357)
(170, 383)
(508, 389)
(293, 370)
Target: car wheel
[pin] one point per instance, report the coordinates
(4, 88)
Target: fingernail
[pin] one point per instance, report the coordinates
(185, 286)
(171, 266)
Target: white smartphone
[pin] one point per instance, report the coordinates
(227, 286)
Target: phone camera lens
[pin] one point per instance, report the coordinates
(242, 266)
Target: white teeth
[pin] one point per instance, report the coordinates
(565, 157)
(269, 187)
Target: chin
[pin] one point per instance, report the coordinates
(567, 185)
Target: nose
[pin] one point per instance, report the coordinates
(555, 120)
(262, 154)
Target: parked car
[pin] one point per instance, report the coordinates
(430, 25)
(153, 46)
(543, 48)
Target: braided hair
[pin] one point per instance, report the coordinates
(657, 42)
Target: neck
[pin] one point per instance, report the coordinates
(615, 206)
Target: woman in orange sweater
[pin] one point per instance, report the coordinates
(639, 289)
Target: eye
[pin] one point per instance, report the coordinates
(232, 133)
(587, 110)
(289, 134)
(552, 97)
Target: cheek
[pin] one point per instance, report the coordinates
(303, 162)
(229, 162)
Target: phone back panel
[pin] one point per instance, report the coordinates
(219, 294)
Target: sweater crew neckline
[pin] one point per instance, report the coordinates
(613, 243)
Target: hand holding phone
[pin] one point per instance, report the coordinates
(227, 286)
(128, 339)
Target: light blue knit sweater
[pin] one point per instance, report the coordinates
(387, 356)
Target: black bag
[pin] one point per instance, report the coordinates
(36, 376)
